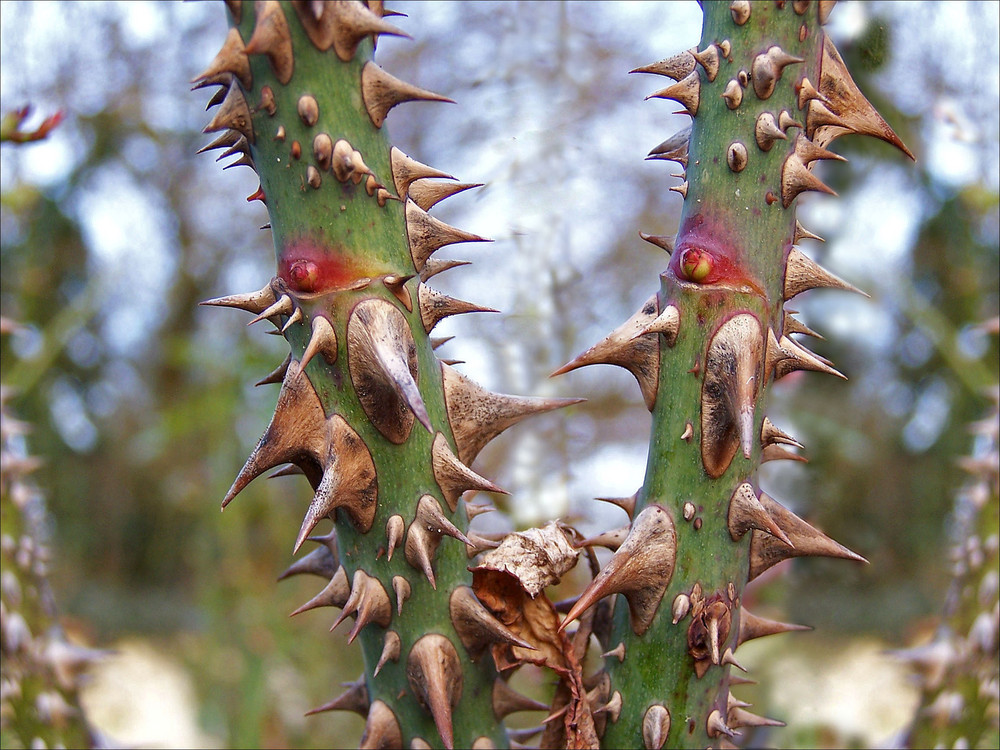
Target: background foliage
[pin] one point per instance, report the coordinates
(144, 407)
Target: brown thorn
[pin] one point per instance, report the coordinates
(382, 91)
(382, 730)
(453, 476)
(391, 650)
(355, 699)
(271, 37)
(335, 594)
(434, 672)
(752, 627)
(476, 626)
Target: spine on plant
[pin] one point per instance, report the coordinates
(383, 430)
(767, 93)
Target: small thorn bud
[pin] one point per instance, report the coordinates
(733, 94)
(736, 158)
(740, 10)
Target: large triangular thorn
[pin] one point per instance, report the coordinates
(729, 392)
(664, 243)
(277, 374)
(771, 435)
(428, 193)
(739, 717)
(434, 266)
(453, 476)
(766, 131)
(435, 306)
(243, 161)
(681, 189)
(434, 672)
(801, 233)
(767, 551)
(715, 726)
(675, 148)
(851, 111)
(797, 357)
(825, 8)
(252, 302)
(427, 234)
(322, 341)
(230, 59)
(395, 527)
(627, 504)
(382, 730)
(369, 601)
(405, 170)
(381, 92)
(667, 322)
(610, 539)
(217, 98)
(348, 482)
(272, 38)
(424, 536)
(708, 58)
(355, 699)
(796, 178)
(746, 513)
(401, 587)
(477, 415)
(752, 627)
(641, 569)
(803, 273)
(507, 701)
(392, 647)
(294, 318)
(677, 67)
(655, 727)
(227, 140)
(336, 593)
(382, 358)
(283, 306)
(627, 346)
(729, 658)
(319, 562)
(233, 114)
(476, 626)
(687, 92)
(793, 325)
(342, 26)
(296, 434)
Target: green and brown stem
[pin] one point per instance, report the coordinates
(767, 92)
(383, 430)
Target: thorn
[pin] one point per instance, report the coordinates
(427, 234)
(283, 306)
(611, 539)
(453, 476)
(323, 341)
(825, 6)
(319, 562)
(382, 359)
(435, 306)
(709, 60)
(613, 708)
(342, 26)
(425, 533)
(766, 70)
(618, 652)
(628, 347)
(739, 717)
(227, 140)
(728, 658)
(766, 132)
(472, 510)
(381, 92)
(845, 109)
(677, 67)
(381, 729)
(664, 243)
(391, 649)
(680, 608)
(627, 504)
(682, 189)
(233, 114)
(715, 726)
(796, 178)
(477, 416)
(746, 513)
(402, 589)
(434, 673)
(767, 551)
(355, 699)
(686, 92)
(786, 121)
(294, 318)
(252, 302)
(335, 594)
(369, 601)
(230, 59)
(476, 626)
(688, 432)
(675, 148)
(667, 322)
(428, 193)
(655, 727)
(507, 701)
(641, 569)
(406, 170)
(434, 266)
(729, 392)
(797, 357)
(777, 453)
(771, 435)
(752, 627)
(272, 38)
(792, 326)
(808, 152)
(802, 274)
(740, 10)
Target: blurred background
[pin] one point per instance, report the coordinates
(143, 405)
